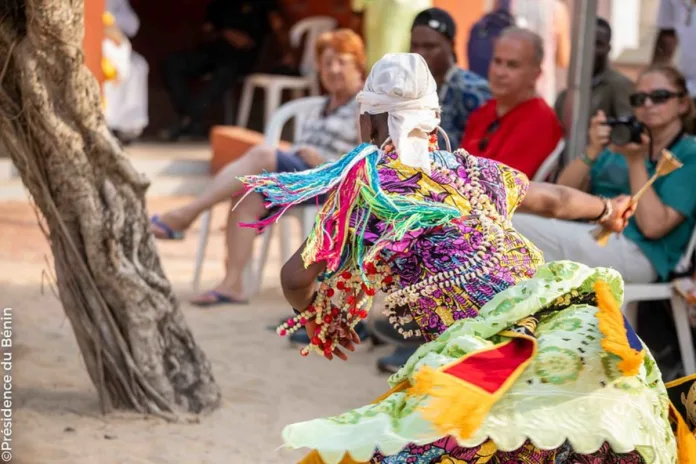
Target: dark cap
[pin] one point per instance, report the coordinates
(438, 20)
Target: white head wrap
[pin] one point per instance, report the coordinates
(401, 84)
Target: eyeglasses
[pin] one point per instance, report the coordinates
(483, 144)
(658, 97)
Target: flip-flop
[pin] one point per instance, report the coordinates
(219, 299)
(170, 233)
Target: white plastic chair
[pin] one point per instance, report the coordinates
(634, 293)
(310, 29)
(550, 163)
(253, 273)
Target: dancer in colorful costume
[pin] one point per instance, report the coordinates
(527, 362)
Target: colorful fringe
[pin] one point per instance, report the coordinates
(351, 182)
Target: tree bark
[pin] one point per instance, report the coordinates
(137, 347)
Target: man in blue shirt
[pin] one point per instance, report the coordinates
(461, 91)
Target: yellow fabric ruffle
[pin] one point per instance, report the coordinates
(611, 324)
(458, 407)
(686, 441)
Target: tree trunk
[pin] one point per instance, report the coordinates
(137, 347)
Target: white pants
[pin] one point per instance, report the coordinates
(126, 99)
(566, 240)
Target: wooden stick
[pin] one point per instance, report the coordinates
(667, 164)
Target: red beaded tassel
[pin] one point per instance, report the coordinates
(334, 321)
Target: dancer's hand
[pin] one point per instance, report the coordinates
(622, 210)
(348, 339)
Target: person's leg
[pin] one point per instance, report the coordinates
(224, 186)
(227, 65)
(566, 240)
(240, 240)
(240, 246)
(178, 69)
(222, 78)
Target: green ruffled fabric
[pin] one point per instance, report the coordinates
(572, 390)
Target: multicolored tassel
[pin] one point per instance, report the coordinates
(352, 183)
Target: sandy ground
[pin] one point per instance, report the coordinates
(265, 383)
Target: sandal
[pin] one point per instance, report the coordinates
(218, 299)
(170, 234)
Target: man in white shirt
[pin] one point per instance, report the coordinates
(677, 25)
(126, 98)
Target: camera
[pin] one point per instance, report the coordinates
(625, 130)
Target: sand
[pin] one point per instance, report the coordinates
(265, 383)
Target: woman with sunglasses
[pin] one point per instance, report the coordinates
(657, 235)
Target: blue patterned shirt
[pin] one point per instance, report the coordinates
(461, 94)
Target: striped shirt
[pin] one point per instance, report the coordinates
(333, 134)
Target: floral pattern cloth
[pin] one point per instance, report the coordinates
(571, 400)
(446, 451)
(570, 405)
(424, 253)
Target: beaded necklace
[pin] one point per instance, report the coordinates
(487, 256)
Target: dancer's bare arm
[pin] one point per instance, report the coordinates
(560, 202)
(299, 285)
(299, 282)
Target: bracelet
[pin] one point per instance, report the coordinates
(606, 212)
(587, 160)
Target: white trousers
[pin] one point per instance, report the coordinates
(126, 99)
(566, 240)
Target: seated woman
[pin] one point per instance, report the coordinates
(526, 362)
(658, 234)
(326, 135)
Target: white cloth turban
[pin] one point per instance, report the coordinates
(401, 84)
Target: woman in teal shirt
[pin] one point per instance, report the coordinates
(659, 232)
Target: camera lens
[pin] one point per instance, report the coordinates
(620, 134)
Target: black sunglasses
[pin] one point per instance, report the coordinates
(658, 97)
(483, 144)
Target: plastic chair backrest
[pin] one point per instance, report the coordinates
(684, 264)
(296, 109)
(550, 163)
(310, 28)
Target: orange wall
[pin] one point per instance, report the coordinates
(94, 32)
(465, 14)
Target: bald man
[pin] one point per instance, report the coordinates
(516, 127)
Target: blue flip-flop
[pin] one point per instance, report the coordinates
(170, 233)
(219, 299)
